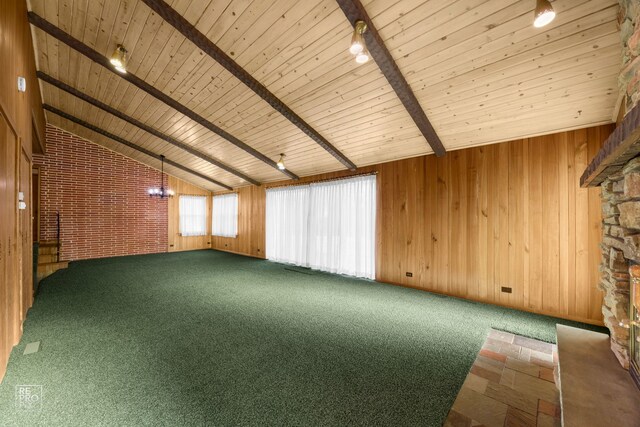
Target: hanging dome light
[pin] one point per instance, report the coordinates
(280, 163)
(543, 14)
(119, 59)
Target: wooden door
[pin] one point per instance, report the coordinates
(5, 345)
(10, 290)
(13, 267)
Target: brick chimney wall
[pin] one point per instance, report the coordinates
(102, 198)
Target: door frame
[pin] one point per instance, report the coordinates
(36, 176)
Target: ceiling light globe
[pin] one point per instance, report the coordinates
(356, 48)
(357, 42)
(543, 14)
(544, 19)
(362, 57)
(119, 59)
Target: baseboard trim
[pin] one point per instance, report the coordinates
(238, 253)
(528, 310)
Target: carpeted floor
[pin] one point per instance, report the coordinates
(210, 338)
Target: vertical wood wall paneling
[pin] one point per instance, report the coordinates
(535, 224)
(595, 136)
(509, 214)
(582, 228)
(550, 224)
(501, 227)
(471, 249)
(176, 241)
(442, 230)
(20, 115)
(251, 224)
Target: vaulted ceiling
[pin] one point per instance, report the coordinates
(479, 69)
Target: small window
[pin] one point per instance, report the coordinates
(224, 220)
(193, 215)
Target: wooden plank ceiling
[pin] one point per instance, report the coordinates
(480, 70)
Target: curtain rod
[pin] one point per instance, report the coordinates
(340, 178)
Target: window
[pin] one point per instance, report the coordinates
(329, 226)
(193, 215)
(287, 224)
(224, 221)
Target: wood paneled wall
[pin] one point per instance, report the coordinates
(251, 233)
(21, 125)
(178, 242)
(479, 219)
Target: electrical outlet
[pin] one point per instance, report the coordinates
(409, 274)
(506, 289)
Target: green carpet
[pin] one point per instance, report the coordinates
(210, 338)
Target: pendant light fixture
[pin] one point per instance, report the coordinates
(161, 192)
(280, 163)
(358, 46)
(543, 14)
(119, 59)
(357, 41)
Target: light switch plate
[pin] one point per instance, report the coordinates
(22, 84)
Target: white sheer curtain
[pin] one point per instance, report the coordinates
(328, 226)
(224, 217)
(193, 215)
(342, 226)
(287, 214)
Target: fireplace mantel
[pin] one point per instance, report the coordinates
(622, 145)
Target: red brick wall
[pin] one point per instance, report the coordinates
(102, 198)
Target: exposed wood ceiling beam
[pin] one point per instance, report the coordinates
(210, 48)
(116, 138)
(354, 11)
(75, 92)
(96, 57)
(621, 146)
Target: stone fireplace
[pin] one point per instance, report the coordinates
(620, 253)
(616, 169)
